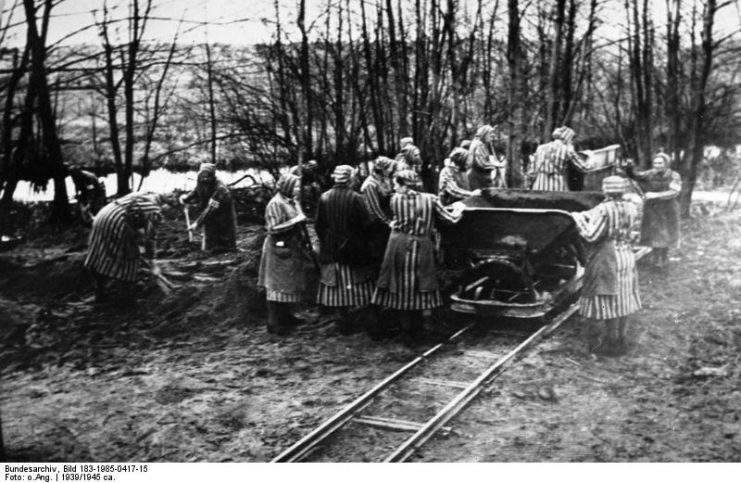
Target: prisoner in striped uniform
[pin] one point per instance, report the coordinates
(610, 290)
(377, 191)
(482, 162)
(453, 184)
(282, 263)
(346, 278)
(549, 165)
(119, 229)
(408, 280)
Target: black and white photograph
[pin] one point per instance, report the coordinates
(368, 231)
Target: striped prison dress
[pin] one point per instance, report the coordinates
(453, 185)
(408, 278)
(281, 267)
(376, 192)
(113, 248)
(550, 163)
(608, 227)
(341, 219)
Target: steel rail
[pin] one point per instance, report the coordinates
(306, 444)
(301, 448)
(411, 445)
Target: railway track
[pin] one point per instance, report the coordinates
(378, 421)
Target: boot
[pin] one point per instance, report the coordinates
(410, 325)
(100, 293)
(610, 343)
(344, 324)
(623, 335)
(381, 328)
(278, 322)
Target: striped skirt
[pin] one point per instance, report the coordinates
(112, 249)
(347, 291)
(278, 296)
(626, 301)
(550, 182)
(408, 297)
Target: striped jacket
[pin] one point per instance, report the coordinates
(453, 185)
(407, 279)
(113, 249)
(281, 264)
(610, 279)
(549, 165)
(340, 219)
(414, 213)
(376, 193)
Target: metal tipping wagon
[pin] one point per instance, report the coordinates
(519, 252)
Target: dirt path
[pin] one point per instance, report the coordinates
(193, 376)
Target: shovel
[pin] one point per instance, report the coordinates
(162, 282)
(187, 221)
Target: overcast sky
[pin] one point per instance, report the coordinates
(232, 21)
(246, 21)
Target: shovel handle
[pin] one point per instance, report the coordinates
(187, 221)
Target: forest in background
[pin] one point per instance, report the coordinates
(344, 83)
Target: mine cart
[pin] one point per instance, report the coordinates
(603, 161)
(518, 253)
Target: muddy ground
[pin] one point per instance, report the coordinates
(193, 375)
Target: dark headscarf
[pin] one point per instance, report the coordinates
(458, 157)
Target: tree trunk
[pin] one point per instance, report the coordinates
(211, 101)
(515, 97)
(61, 213)
(554, 77)
(305, 79)
(673, 19)
(696, 139)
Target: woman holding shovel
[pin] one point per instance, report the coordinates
(119, 229)
(218, 218)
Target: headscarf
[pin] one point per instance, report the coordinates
(568, 135)
(565, 134)
(613, 185)
(156, 198)
(665, 157)
(287, 184)
(382, 163)
(483, 131)
(207, 168)
(405, 141)
(342, 174)
(140, 210)
(458, 157)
